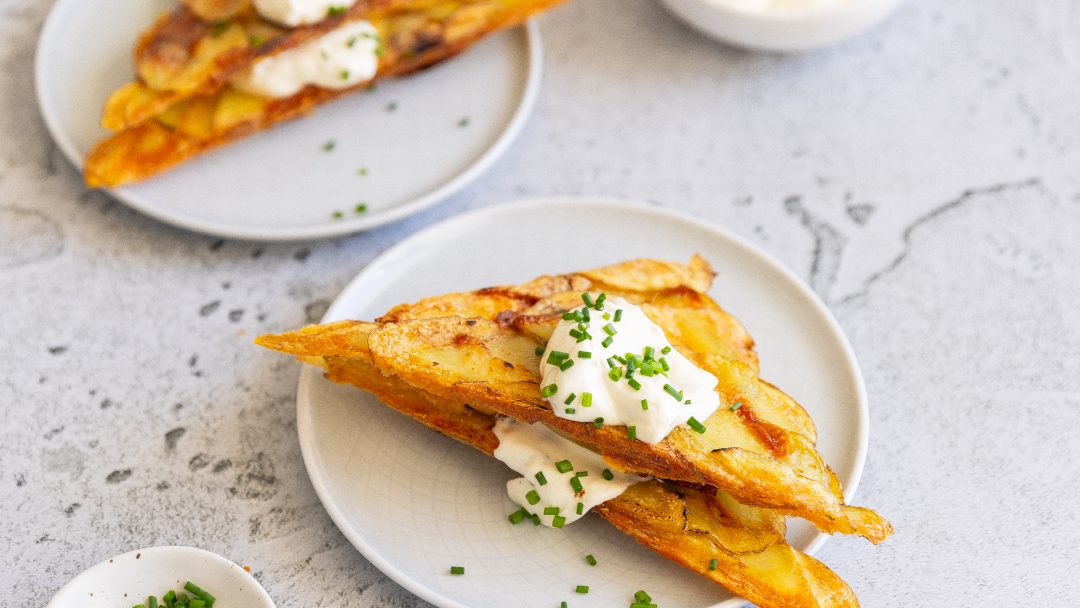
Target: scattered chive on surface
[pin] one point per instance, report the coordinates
(618, 315)
(457, 570)
(581, 589)
(362, 172)
(464, 122)
(713, 563)
(329, 145)
(570, 410)
(549, 390)
(607, 341)
(361, 208)
(587, 299)
(575, 484)
(581, 474)
(539, 350)
(607, 474)
(540, 479)
(564, 466)
(337, 215)
(694, 424)
(566, 365)
(518, 516)
(645, 404)
(551, 510)
(598, 423)
(558, 521)
(335, 11)
(586, 399)
(590, 559)
(580, 508)
(736, 406)
(584, 354)
(631, 433)
(570, 399)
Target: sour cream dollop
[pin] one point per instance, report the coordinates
(339, 59)
(299, 12)
(537, 453)
(618, 368)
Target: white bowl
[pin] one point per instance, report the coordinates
(782, 31)
(128, 579)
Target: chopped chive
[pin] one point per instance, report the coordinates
(649, 352)
(611, 362)
(457, 570)
(335, 11)
(535, 519)
(362, 171)
(558, 355)
(607, 474)
(634, 384)
(607, 316)
(674, 393)
(641, 596)
(518, 516)
(255, 40)
(694, 424)
(607, 341)
(584, 354)
(713, 563)
(598, 423)
(618, 315)
(197, 603)
(558, 521)
(169, 598)
(549, 390)
(361, 208)
(600, 301)
(151, 602)
(664, 364)
(615, 374)
(532, 497)
(570, 410)
(583, 326)
(581, 474)
(609, 329)
(578, 335)
(580, 508)
(585, 336)
(351, 42)
(539, 350)
(585, 314)
(631, 433)
(644, 404)
(570, 399)
(688, 402)
(587, 298)
(464, 122)
(565, 365)
(197, 591)
(569, 315)
(581, 589)
(329, 145)
(575, 484)
(564, 466)
(737, 405)
(590, 559)
(540, 479)
(344, 74)
(666, 350)
(586, 399)
(551, 510)
(562, 605)
(337, 215)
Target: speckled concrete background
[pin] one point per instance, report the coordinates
(924, 179)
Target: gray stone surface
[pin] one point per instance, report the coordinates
(922, 178)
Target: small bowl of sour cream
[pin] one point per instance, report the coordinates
(782, 25)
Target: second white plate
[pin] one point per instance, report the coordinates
(409, 144)
(415, 503)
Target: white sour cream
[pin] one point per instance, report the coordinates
(340, 59)
(619, 402)
(533, 448)
(298, 12)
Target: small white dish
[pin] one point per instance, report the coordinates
(129, 579)
(782, 31)
(406, 137)
(415, 503)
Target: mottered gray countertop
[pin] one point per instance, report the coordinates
(924, 179)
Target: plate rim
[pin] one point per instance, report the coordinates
(510, 131)
(309, 374)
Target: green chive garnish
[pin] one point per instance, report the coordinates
(580, 508)
(361, 208)
(535, 519)
(457, 570)
(344, 74)
(694, 424)
(590, 559)
(328, 146)
(337, 215)
(607, 341)
(641, 596)
(558, 355)
(539, 350)
(581, 589)
(335, 11)
(615, 374)
(551, 510)
(558, 521)
(586, 399)
(631, 433)
(518, 516)
(540, 479)
(351, 42)
(570, 410)
(674, 393)
(598, 423)
(664, 364)
(564, 466)
(151, 602)
(549, 390)
(565, 365)
(532, 497)
(600, 301)
(737, 405)
(607, 316)
(618, 315)
(569, 315)
(611, 362)
(634, 384)
(607, 474)
(198, 592)
(577, 335)
(649, 352)
(587, 298)
(645, 404)
(570, 399)
(581, 474)
(464, 122)
(666, 350)
(713, 563)
(584, 354)
(575, 484)
(609, 329)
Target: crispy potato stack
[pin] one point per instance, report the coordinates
(724, 494)
(182, 104)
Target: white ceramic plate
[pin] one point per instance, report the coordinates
(415, 503)
(128, 579)
(281, 184)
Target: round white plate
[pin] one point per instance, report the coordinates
(419, 139)
(128, 579)
(415, 503)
